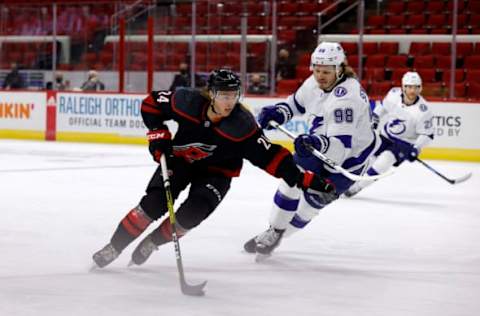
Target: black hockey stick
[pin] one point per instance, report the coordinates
(187, 289)
(451, 181)
(329, 162)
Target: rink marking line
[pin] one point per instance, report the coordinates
(73, 168)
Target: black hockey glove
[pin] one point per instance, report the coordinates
(314, 184)
(160, 142)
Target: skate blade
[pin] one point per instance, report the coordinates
(93, 267)
(131, 264)
(260, 257)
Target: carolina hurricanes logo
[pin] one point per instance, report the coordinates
(194, 151)
(397, 126)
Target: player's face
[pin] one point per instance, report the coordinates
(224, 102)
(325, 76)
(411, 92)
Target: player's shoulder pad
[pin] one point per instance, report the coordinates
(189, 103)
(239, 125)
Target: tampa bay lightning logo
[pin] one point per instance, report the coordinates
(423, 107)
(340, 91)
(396, 127)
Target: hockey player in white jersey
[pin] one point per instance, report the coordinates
(340, 127)
(406, 128)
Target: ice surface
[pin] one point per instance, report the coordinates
(407, 245)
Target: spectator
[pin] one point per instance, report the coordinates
(61, 85)
(256, 85)
(92, 83)
(284, 69)
(182, 79)
(13, 80)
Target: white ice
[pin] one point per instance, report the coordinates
(407, 245)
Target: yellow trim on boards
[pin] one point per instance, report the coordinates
(100, 138)
(24, 134)
(454, 154)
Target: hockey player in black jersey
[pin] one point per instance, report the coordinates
(215, 133)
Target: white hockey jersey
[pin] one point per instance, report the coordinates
(343, 115)
(409, 123)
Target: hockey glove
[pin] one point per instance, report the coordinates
(406, 151)
(304, 142)
(375, 121)
(412, 154)
(160, 142)
(314, 184)
(278, 113)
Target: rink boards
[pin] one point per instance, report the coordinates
(116, 118)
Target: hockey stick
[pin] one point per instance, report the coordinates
(451, 181)
(329, 162)
(187, 289)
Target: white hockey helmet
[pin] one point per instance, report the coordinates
(411, 78)
(328, 54)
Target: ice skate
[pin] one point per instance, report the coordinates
(143, 251)
(267, 242)
(251, 245)
(105, 256)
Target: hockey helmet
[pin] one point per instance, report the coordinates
(328, 54)
(223, 80)
(411, 78)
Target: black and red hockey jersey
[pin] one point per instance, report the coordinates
(217, 147)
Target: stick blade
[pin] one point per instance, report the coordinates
(193, 290)
(462, 179)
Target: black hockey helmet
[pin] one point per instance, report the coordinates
(223, 80)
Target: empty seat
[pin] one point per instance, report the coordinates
(436, 21)
(395, 8)
(397, 74)
(396, 61)
(377, 60)
(388, 48)
(427, 61)
(374, 74)
(443, 62)
(472, 62)
(473, 6)
(415, 21)
(434, 89)
(473, 91)
(435, 6)
(350, 48)
(370, 48)
(460, 90)
(353, 61)
(464, 49)
(415, 7)
(428, 75)
(396, 21)
(474, 20)
(473, 75)
(441, 48)
(459, 75)
(379, 88)
(419, 48)
(375, 21)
